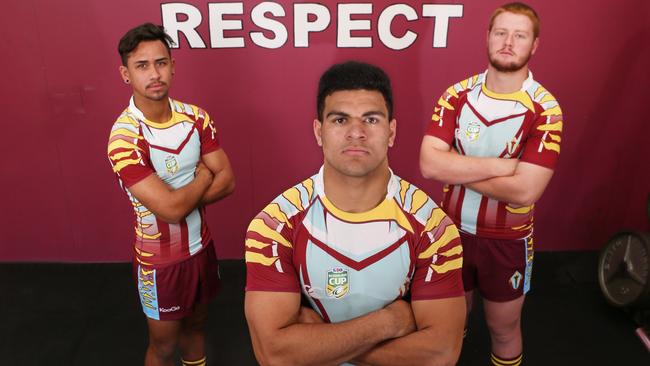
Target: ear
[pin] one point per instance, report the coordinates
(535, 45)
(318, 125)
(124, 73)
(173, 66)
(392, 125)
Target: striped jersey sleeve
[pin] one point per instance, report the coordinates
(543, 144)
(270, 242)
(127, 151)
(443, 119)
(439, 259)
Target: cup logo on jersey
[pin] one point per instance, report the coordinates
(338, 284)
(472, 132)
(171, 164)
(515, 280)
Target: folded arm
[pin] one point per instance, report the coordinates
(279, 338)
(168, 204)
(223, 183)
(437, 340)
(438, 161)
(523, 188)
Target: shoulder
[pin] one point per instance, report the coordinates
(462, 87)
(546, 102)
(289, 203)
(193, 112)
(125, 133)
(468, 84)
(127, 121)
(414, 201)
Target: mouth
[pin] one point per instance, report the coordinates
(505, 52)
(355, 151)
(157, 85)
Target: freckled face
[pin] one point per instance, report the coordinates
(511, 42)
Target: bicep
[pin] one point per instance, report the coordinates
(152, 192)
(217, 161)
(432, 144)
(444, 318)
(267, 312)
(534, 177)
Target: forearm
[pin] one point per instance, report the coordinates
(324, 343)
(505, 189)
(440, 162)
(222, 185)
(419, 348)
(522, 189)
(180, 202)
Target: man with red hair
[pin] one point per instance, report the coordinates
(494, 140)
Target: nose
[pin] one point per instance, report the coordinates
(155, 73)
(357, 129)
(509, 39)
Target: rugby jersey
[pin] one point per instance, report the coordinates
(137, 148)
(525, 125)
(349, 264)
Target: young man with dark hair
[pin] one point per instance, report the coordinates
(168, 160)
(494, 139)
(353, 239)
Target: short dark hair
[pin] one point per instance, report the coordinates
(353, 75)
(143, 32)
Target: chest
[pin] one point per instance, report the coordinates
(492, 128)
(349, 269)
(174, 152)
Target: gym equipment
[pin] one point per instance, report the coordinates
(624, 276)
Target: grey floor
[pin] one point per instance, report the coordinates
(88, 314)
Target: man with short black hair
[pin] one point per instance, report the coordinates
(167, 158)
(353, 239)
(494, 139)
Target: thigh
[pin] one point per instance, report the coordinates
(469, 245)
(209, 278)
(505, 268)
(503, 316)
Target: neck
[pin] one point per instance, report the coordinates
(505, 82)
(356, 194)
(154, 110)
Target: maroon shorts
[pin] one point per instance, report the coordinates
(500, 269)
(171, 292)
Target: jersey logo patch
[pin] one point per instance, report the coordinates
(171, 164)
(472, 132)
(338, 284)
(515, 280)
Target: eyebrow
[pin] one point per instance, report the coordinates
(147, 61)
(366, 114)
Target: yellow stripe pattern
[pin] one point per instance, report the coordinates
(252, 257)
(520, 210)
(448, 266)
(448, 235)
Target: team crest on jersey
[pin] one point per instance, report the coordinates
(171, 164)
(472, 131)
(515, 280)
(338, 284)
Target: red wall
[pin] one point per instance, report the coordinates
(61, 93)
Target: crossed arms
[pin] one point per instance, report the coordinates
(507, 180)
(425, 332)
(213, 180)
